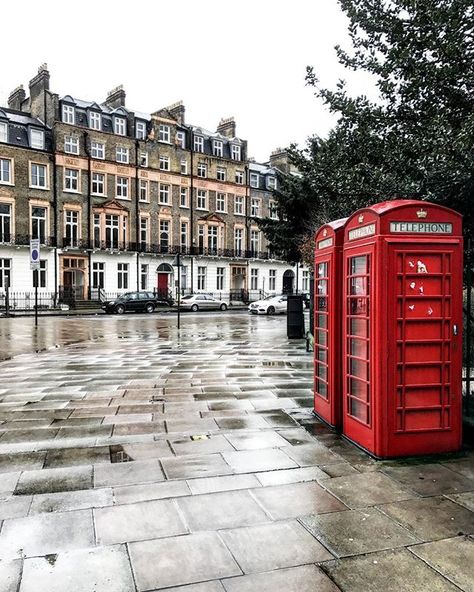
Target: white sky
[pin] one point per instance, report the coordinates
(245, 59)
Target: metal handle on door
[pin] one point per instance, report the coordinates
(455, 329)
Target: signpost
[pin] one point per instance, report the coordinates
(35, 265)
(177, 263)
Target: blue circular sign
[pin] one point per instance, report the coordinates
(34, 254)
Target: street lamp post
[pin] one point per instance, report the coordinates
(177, 263)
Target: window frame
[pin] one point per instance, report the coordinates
(71, 179)
(164, 190)
(198, 144)
(218, 148)
(122, 186)
(140, 130)
(164, 163)
(164, 133)
(11, 180)
(120, 125)
(71, 141)
(68, 114)
(239, 201)
(34, 143)
(201, 194)
(94, 147)
(95, 120)
(235, 152)
(44, 187)
(104, 183)
(202, 170)
(122, 154)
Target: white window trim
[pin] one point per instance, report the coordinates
(127, 197)
(206, 200)
(164, 160)
(119, 123)
(166, 129)
(198, 140)
(123, 151)
(78, 190)
(73, 141)
(181, 139)
(45, 187)
(40, 145)
(238, 198)
(96, 118)
(70, 111)
(254, 178)
(4, 126)
(140, 130)
(10, 183)
(147, 185)
(218, 148)
(224, 210)
(104, 175)
(103, 151)
(168, 192)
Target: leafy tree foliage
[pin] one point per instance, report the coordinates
(416, 141)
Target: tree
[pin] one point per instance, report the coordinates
(417, 140)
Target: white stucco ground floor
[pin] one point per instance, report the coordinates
(83, 273)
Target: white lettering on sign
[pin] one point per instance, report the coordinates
(368, 230)
(426, 227)
(324, 244)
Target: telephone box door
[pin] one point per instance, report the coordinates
(358, 318)
(426, 328)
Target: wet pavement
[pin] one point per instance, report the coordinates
(137, 459)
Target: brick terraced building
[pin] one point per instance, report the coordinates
(114, 194)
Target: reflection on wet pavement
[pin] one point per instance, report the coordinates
(128, 445)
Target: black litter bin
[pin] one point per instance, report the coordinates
(295, 317)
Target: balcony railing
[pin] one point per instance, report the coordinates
(68, 243)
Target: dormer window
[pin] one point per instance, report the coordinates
(181, 139)
(68, 114)
(235, 152)
(37, 139)
(140, 130)
(253, 180)
(164, 133)
(120, 126)
(218, 148)
(271, 183)
(198, 143)
(3, 132)
(95, 120)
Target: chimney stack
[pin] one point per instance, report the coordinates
(226, 127)
(16, 98)
(177, 110)
(116, 97)
(39, 86)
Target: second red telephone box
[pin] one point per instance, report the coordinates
(402, 329)
(327, 322)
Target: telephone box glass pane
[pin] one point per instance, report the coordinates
(321, 337)
(322, 388)
(358, 368)
(322, 270)
(358, 347)
(321, 303)
(322, 371)
(359, 265)
(358, 327)
(322, 354)
(358, 409)
(322, 321)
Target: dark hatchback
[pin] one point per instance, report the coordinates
(135, 302)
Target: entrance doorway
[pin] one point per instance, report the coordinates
(163, 273)
(288, 281)
(238, 283)
(74, 277)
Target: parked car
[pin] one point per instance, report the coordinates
(269, 305)
(196, 302)
(135, 302)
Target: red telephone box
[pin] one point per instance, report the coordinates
(402, 319)
(327, 322)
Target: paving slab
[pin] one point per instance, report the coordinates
(431, 518)
(138, 522)
(22, 461)
(256, 440)
(10, 573)
(213, 444)
(355, 532)
(14, 507)
(46, 533)
(207, 558)
(367, 489)
(390, 571)
(223, 483)
(297, 499)
(69, 457)
(432, 479)
(103, 569)
(247, 422)
(215, 511)
(214, 586)
(71, 500)
(137, 451)
(452, 558)
(189, 467)
(463, 466)
(251, 461)
(53, 480)
(127, 473)
(273, 546)
(306, 578)
(291, 476)
(465, 499)
(129, 494)
(311, 454)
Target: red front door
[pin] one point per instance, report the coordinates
(163, 285)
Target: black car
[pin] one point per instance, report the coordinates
(135, 302)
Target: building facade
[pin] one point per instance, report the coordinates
(114, 194)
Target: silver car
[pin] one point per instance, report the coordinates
(197, 302)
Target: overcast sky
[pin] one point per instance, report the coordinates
(245, 59)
